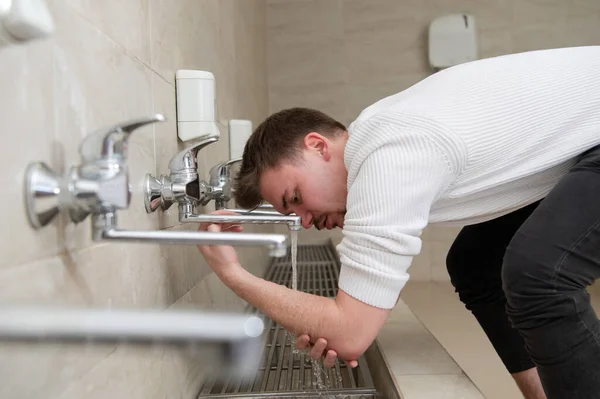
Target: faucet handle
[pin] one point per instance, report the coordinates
(111, 142)
(220, 183)
(221, 170)
(186, 159)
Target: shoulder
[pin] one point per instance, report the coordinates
(395, 134)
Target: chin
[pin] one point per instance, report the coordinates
(338, 225)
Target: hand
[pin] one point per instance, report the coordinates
(318, 351)
(221, 258)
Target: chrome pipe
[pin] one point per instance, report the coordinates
(104, 228)
(186, 215)
(115, 326)
(293, 222)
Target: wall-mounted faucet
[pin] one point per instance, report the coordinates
(184, 187)
(100, 187)
(232, 340)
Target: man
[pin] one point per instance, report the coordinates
(505, 146)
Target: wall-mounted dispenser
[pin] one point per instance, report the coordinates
(452, 40)
(24, 20)
(196, 116)
(239, 132)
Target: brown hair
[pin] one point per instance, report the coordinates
(279, 138)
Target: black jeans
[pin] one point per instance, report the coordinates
(524, 277)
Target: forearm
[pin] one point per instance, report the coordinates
(296, 311)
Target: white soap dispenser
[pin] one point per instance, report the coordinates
(452, 40)
(24, 20)
(195, 104)
(239, 132)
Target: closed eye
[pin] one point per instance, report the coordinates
(297, 198)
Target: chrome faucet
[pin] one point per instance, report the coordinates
(233, 341)
(100, 187)
(184, 186)
(220, 181)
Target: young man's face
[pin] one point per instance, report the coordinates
(314, 188)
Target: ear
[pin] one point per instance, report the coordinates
(314, 141)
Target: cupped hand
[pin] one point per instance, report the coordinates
(319, 349)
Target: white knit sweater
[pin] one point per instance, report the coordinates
(467, 144)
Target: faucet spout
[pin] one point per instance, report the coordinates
(294, 222)
(233, 341)
(104, 228)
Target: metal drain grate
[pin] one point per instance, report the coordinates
(282, 373)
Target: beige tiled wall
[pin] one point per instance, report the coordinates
(342, 55)
(110, 60)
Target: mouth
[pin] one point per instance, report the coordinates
(321, 222)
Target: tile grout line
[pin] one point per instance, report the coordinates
(129, 53)
(113, 350)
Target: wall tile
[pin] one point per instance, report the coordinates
(181, 277)
(582, 30)
(97, 85)
(125, 22)
(384, 38)
(538, 25)
(538, 12)
(251, 49)
(183, 35)
(197, 297)
(303, 20)
(55, 281)
(139, 373)
(123, 275)
(489, 14)
(37, 371)
(313, 29)
(324, 97)
(44, 370)
(495, 42)
(108, 275)
(538, 37)
(26, 104)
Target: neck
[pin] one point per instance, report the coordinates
(339, 149)
(342, 147)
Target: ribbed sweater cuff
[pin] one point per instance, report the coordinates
(371, 286)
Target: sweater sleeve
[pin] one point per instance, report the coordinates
(387, 209)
